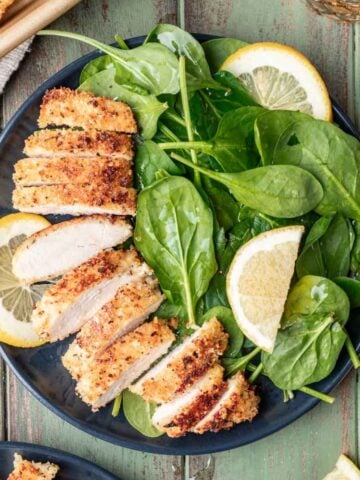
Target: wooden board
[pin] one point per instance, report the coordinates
(308, 448)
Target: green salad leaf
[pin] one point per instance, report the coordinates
(218, 50)
(174, 233)
(139, 413)
(147, 108)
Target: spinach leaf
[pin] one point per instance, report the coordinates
(305, 352)
(181, 42)
(204, 118)
(149, 160)
(225, 207)
(169, 310)
(352, 289)
(232, 96)
(95, 66)
(152, 66)
(332, 156)
(355, 252)
(147, 108)
(327, 248)
(226, 317)
(282, 191)
(315, 295)
(174, 233)
(218, 50)
(269, 128)
(233, 145)
(139, 413)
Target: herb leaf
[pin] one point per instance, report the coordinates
(139, 413)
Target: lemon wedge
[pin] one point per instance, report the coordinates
(344, 469)
(279, 77)
(258, 281)
(17, 300)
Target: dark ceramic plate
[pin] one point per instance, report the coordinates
(71, 467)
(42, 373)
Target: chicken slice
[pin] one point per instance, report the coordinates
(63, 106)
(68, 304)
(177, 417)
(26, 470)
(58, 248)
(123, 362)
(132, 304)
(184, 365)
(37, 171)
(239, 403)
(60, 142)
(72, 199)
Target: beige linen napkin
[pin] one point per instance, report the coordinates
(11, 61)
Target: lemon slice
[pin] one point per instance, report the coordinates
(16, 299)
(258, 282)
(279, 77)
(345, 469)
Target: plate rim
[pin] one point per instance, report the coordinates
(211, 447)
(35, 449)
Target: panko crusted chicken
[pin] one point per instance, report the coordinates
(76, 199)
(178, 416)
(32, 172)
(60, 247)
(78, 143)
(73, 108)
(109, 373)
(184, 365)
(74, 299)
(26, 470)
(131, 306)
(239, 403)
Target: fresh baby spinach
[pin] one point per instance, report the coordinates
(327, 248)
(149, 160)
(152, 67)
(147, 108)
(139, 414)
(218, 50)
(277, 190)
(180, 43)
(174, 233)
(351, 287)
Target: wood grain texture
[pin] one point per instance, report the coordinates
(28, 420)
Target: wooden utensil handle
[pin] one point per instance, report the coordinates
(29, 20)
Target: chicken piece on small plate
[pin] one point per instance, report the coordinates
(26, 470)
(178, 417)
(239, 403)
(131, 306)
(184, 365)
(73, 108)
(68, 304)
(124, 361)
(76, 199)
(60, 247)
(61, 142)
(33, 172)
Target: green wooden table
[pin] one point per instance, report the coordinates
(308, 448)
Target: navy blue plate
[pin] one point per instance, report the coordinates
(71, 467)
(41, 371)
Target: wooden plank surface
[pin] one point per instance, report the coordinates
(308, 448)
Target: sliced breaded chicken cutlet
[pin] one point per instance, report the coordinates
(78, 143)
(73, 108)
(239, 403)
(68, 304)
(32, 172)
(125, 360)
(177, 417)
(60, 247)
(26, 470)
(76, 199)
(184, 365)
(132, 304)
